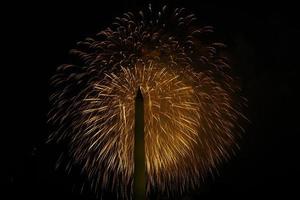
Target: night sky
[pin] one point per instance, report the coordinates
(263, 40)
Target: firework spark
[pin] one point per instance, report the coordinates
(192, 107)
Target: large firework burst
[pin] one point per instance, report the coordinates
(192, 106)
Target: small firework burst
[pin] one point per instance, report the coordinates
(192, 106)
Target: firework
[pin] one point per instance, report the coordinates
(191, 103)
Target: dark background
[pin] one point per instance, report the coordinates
(264, 40)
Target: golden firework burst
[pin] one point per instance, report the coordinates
(192, 106)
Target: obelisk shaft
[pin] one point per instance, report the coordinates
(139, 184)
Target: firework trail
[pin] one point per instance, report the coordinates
(192, 106)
